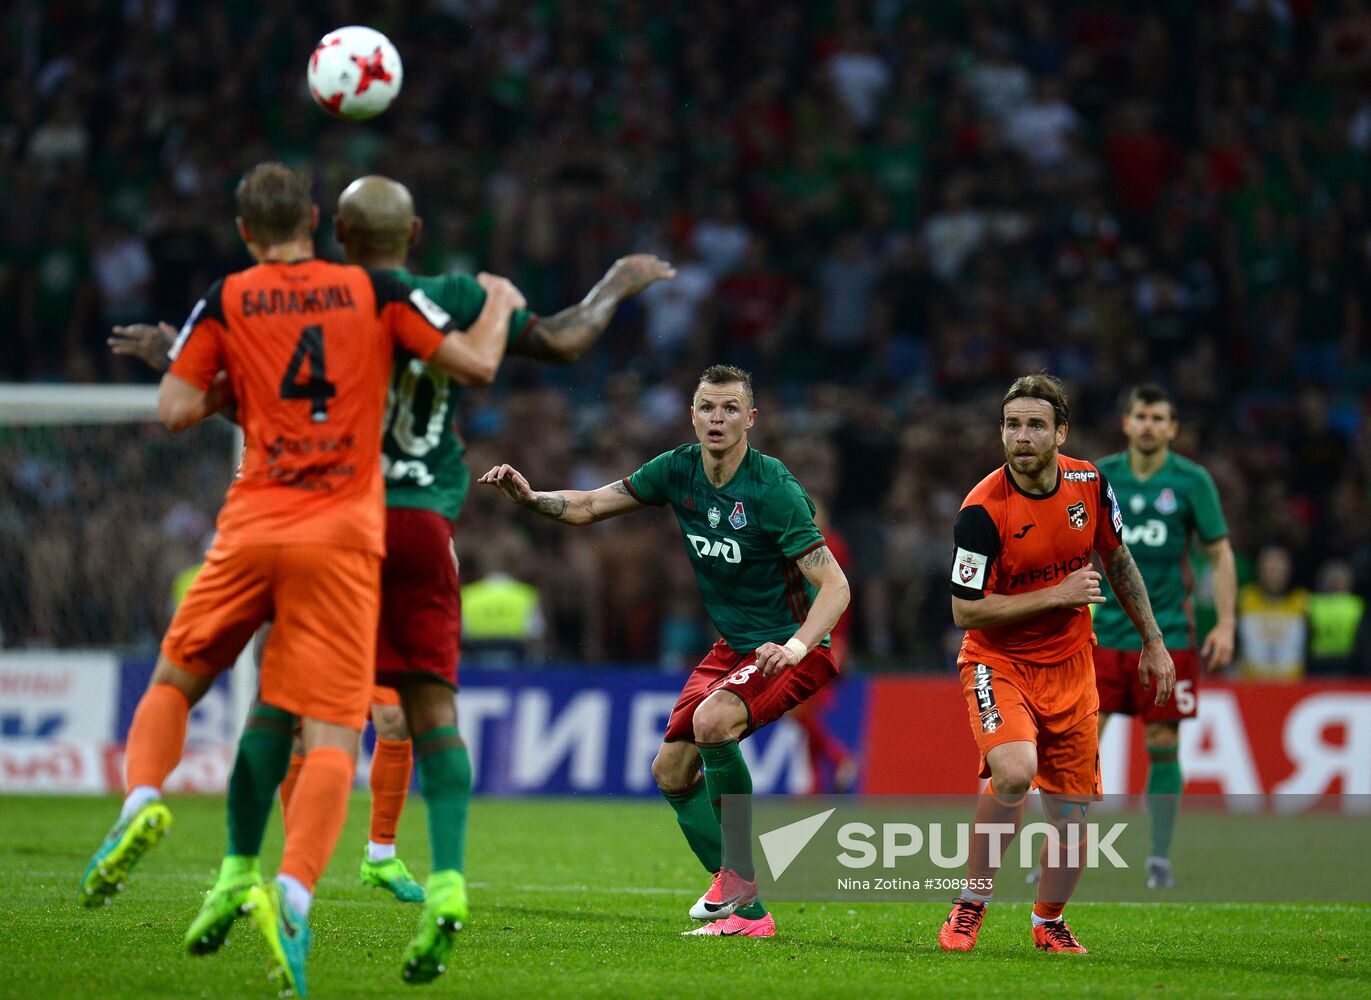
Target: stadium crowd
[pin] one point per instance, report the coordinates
(886, 210)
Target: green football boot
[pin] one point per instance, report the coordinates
(392, 875)
(286, 932)
(126, 842)
(427, 956)
(224, 904)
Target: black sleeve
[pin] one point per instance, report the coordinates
(977, 547)
(390, 289)
(210, 306)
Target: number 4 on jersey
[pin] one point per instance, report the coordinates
(318, 390)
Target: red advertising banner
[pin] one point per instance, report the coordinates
(1310, 738)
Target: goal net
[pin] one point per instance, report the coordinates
(104, 518)
(101, 511)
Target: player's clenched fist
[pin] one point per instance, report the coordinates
(511, 482)
(1080, 588)
(772, 658)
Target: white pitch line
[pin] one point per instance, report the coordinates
(616, 890)
(655, 890)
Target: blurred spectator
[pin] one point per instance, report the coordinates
(1336, 640)
(1272, 620)
(1040, 131)
(675, 313)
(502, 618)
(846, 281)
(721, 237)
(889, 209)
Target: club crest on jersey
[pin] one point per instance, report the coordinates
(991, 721)
(1166, 501)
(714, 517)
(1077, 515)
(739, 517)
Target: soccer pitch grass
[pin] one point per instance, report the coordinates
(588, 897)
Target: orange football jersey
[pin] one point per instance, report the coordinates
(1012, 542)
(308, 348)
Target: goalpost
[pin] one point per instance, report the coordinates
(103, 516)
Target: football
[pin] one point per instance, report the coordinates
(354, 73)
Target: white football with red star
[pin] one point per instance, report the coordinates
(355, 73)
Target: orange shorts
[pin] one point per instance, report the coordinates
(319, 660)
(1054, 708)
(382, 695)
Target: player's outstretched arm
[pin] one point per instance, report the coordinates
(472, 357)
(822, 570)
(567, 506)
(1217, 651)
(563, 337)
(1131, 593)
(148, 343)
(1078, 589)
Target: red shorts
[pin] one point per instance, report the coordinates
(1116, 678)
(1054, 708)
(766, 698)
(421, 610)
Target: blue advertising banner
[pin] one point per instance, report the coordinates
(565, 730)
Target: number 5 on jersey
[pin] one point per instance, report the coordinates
(318, 389)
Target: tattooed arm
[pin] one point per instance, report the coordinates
(1129, 590)
(822, 570)
(563, 337)
(567, 506)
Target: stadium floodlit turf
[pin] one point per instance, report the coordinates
(588, 897)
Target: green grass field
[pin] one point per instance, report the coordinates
(575, 898)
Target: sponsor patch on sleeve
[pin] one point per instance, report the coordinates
(1115, 514)
(968, 569)
(432, 311)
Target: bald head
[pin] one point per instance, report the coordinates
(376, 220)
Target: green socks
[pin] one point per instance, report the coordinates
(699, 824)
(260, 766)
(1163, 796)
(237, 868)
(445, 781)
(726, 773)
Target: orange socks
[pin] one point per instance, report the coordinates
(391, 766)
(318, 807)
(1060, 873)
(1005, 810)
(297, 761)
(157, 736)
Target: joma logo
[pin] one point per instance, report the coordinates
(726, 547)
